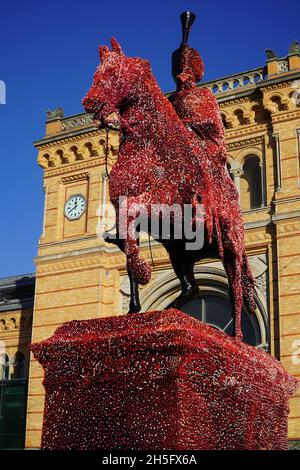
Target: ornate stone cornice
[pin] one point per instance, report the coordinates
(245, 130)
(286, 116)
(77, 177)
(273, 86)
(246, 142)
(75, 167)
(233, 101)
(48, 142)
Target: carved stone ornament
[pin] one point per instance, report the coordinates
(294, 48)
(271, 54)
(58, 113)
(78, 121)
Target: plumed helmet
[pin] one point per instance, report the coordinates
(187, 61)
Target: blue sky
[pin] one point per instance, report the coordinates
(48, 54)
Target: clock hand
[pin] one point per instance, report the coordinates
(72, 208)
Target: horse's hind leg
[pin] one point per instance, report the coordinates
(183, 266)
(134, 304)
(233, 267)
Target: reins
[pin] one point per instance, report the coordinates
(106, 151)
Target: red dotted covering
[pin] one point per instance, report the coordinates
(160, 380)
(168, 157)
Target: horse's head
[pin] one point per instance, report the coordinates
(114, 81)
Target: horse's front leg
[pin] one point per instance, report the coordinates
(138, 268)
(134, 304)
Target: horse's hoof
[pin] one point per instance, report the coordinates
(111, 241)
(177, 303)
(183, 298)
(134, 309)
(110, 238)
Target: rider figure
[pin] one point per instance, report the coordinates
(197, 107)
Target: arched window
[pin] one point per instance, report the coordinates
(251, 184)
(19, 366)
(242, 119)
(224, 121)
(216, 310)
(279, 103)
(4, 367)
(212, 306)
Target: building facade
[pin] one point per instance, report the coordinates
(16, 312)
(79, 276)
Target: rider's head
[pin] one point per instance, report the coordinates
(187, 66)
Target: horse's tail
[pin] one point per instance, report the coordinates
(247, 278)
(248, 285)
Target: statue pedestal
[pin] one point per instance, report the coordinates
(160, 380)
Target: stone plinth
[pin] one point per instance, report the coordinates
(160, 380)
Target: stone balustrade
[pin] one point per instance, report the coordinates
(79, 120)
(236, 82)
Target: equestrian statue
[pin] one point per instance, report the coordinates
(172, 152)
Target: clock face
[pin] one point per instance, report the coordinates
(75, 207)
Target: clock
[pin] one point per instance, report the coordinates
(75, 207)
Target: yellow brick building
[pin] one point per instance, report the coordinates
(79, 276)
